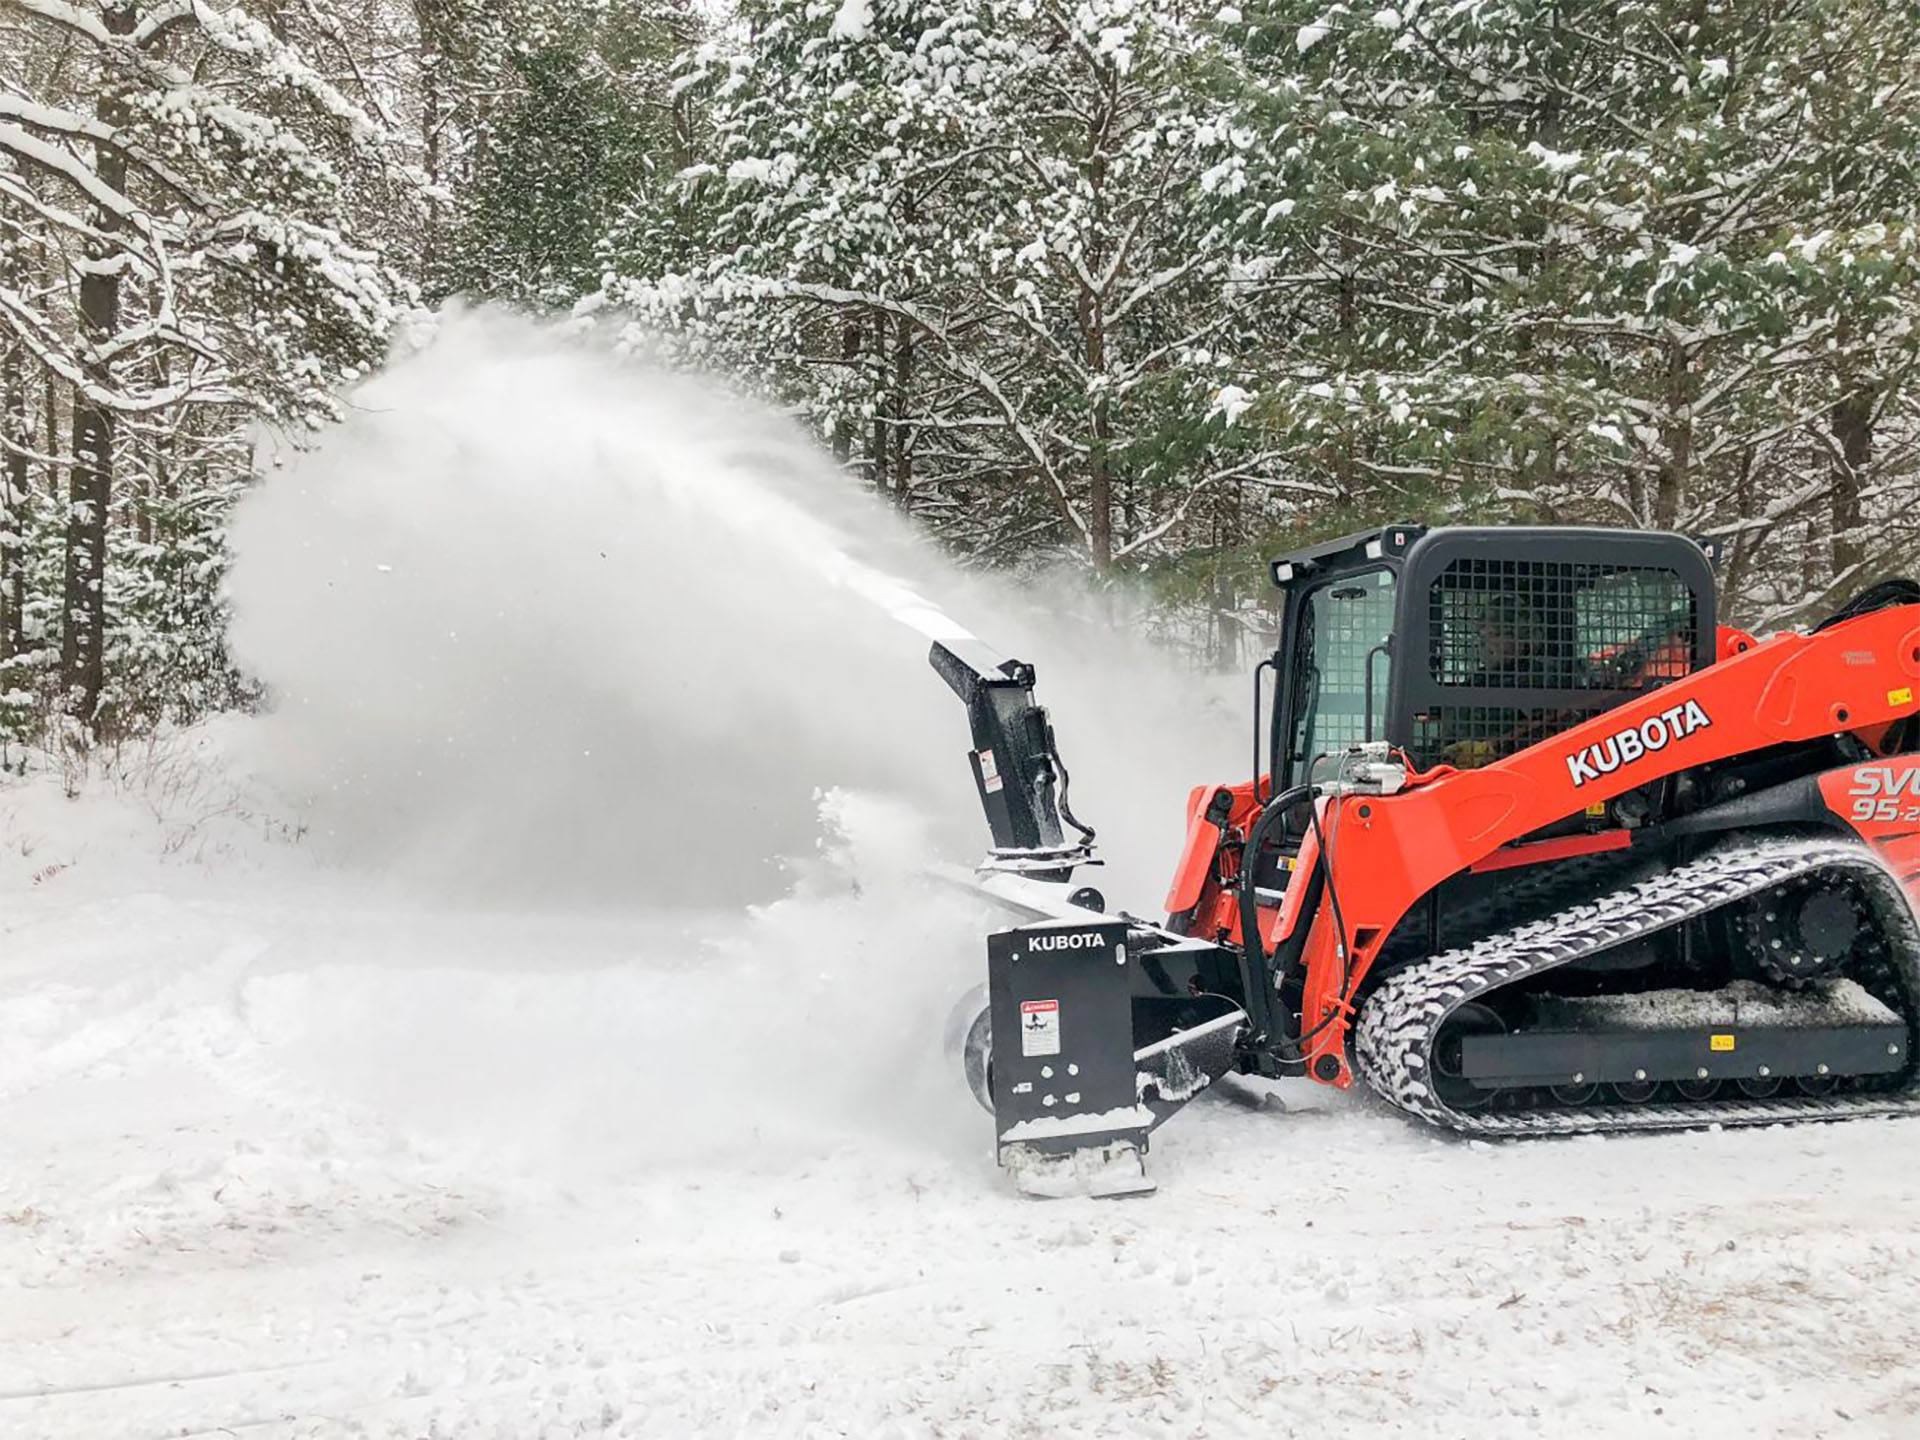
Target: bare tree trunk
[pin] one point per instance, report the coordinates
(147, 478)
(1099, 458)
(1739, 560)
(83, 601)
(877, 468)
(1226, 627)
(1093, 332)
(51, 409)
(1852, 422)
(849, 356)
(90, 494)
(686, 236)
(150, 476)
(902, 408)
(1671, 489)
(1812, 558)
(1341, 456)
(15, 499)
(432, 120)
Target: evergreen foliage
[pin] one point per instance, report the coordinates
(1146, 287)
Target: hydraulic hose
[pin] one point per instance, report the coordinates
(1269, 816)
(1250, 940)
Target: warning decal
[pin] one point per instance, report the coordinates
(990, 779)
(1039, 1027)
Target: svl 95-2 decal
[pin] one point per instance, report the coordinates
(1881, 792)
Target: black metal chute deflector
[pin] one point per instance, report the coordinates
(1016, 764)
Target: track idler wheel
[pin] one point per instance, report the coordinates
(1450, 1078)
(1803, 932)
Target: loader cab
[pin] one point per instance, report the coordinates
(1464, 645)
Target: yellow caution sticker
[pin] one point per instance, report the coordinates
(1720, 1042)
(1902, 696)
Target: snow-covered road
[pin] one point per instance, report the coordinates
(287, 1157)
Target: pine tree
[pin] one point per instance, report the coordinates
(1562, 261)
(178, 186)
(582, 144)
(979, 243)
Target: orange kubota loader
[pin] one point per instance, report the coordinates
(1535, 847)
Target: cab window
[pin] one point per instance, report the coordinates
(1342, 664)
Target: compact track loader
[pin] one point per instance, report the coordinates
(1533, 846)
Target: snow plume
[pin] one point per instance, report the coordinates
(539, 625)
(570, 1045)
(547, 634)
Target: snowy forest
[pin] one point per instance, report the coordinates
(1146, 288)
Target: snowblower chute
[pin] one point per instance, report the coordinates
(1022, 784)
(1538, 848)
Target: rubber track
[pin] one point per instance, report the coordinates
(1400, 1021)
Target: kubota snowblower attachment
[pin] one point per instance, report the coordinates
(1117, 1021)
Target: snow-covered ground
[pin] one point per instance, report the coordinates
(531, 1026)
(289, 1156)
